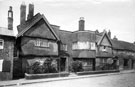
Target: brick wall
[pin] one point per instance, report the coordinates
(7, 54)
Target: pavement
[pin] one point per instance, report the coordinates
(70, 77)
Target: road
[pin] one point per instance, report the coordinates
(120, 80)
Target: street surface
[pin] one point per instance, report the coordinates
(120, 80)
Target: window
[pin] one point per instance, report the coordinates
(37, 43)
(41, 43)
(64, 47)
(93, 47)
(44, 44)
(104, 48)
(74, 46)
(1, 44)
(83, 45)
(80, 45)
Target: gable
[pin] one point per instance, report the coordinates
(105, 41)
(32, 23)
(40, 29)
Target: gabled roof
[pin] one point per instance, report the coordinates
(101, 39)
(122, 45)
(28, 24)
(65, 36)
(6, 32)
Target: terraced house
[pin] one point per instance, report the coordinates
(92, 48)
(56, 49)
(125, 52)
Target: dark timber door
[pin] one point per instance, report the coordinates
(62, 64)
(94, 63)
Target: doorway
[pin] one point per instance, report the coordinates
(62, 64)
(126, 63)
(132, 66)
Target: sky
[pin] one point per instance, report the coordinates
(118, 16)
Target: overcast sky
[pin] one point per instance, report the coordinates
(116, 15)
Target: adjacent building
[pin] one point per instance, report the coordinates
(7, 40)
(125, 52)
(92, 48)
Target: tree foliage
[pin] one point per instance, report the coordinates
(76, 66)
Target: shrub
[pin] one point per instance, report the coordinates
(48, 67)
(76, 66)
(38, 68)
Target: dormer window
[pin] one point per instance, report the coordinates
(1, 43)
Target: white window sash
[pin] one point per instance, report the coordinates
(93, 47)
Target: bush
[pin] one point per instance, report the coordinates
(48, 67)
(38, 68)
(76, 66)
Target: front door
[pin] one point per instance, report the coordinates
(132, 64)
(94, 64)
(62, 64)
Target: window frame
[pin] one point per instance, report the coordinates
(91, 46)
(64, 47)
(74, 46)
(104, 48)
(41, 43)
(2, 45)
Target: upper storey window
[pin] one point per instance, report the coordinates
(64, 47)
(93, 45)
(83, 46)
(1, 43)
(41, 43)
(104, 48)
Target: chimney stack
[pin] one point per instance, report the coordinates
(109, 33)
(115, 38)
(31, 11)
(22, 13)
(10, 18)
(81, 24)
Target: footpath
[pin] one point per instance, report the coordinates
(70, 77)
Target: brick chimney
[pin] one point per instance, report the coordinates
(22, 13)
(109, 33)
(115, 38)
(31, 11)
(10, 18)
(81, 24)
